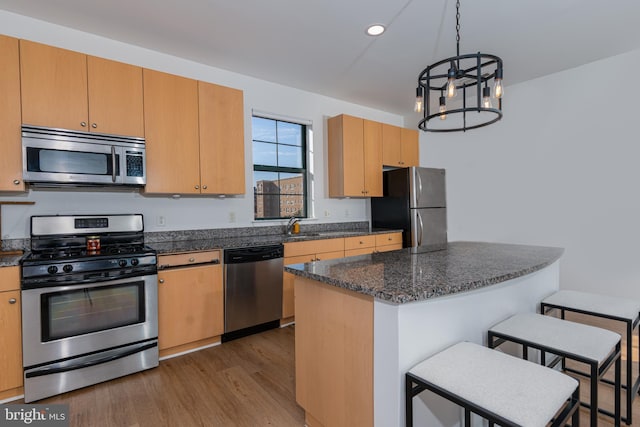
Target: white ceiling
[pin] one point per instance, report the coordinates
(321, 45)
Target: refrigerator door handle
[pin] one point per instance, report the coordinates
(419, 192)
(420, 230)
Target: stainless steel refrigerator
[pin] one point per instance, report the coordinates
(415, 201)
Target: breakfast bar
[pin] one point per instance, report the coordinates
(363, 321)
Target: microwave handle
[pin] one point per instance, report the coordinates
(113, 163)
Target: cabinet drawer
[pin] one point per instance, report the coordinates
(166, 261)
(329, 255)
(359, 251)
(387, 248)
(313, 247)
(388, 239)
(299, 259)
(359, 242)
(9, 278)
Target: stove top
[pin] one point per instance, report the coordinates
(80, 249)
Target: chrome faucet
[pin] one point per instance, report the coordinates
(292, 221)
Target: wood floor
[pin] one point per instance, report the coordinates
(247, 382)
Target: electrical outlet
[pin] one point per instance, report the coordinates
(161, 221)
(232, 217)
(327, 213)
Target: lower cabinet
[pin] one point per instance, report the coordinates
(190, 304)
(388, 242)
(10, 334)
(301, 252)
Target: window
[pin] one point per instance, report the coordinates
(279, 169)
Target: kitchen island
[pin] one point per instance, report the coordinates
(362, 322)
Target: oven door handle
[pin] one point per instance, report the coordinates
(113, 163)
(71, 365)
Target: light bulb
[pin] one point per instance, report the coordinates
(451, 83)
(419, 100)
(486, 97)
(443, 108)
(498, 91)
(497, 88)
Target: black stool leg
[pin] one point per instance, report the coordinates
(594, 395)
(575, 420)
(617, 387)
(467, 418)
(408, 393)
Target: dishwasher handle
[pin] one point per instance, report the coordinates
(253, 254)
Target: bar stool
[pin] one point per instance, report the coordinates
(599, 348)
(501, 388)
(606, 307)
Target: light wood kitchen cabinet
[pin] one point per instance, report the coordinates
(301, 252)
(70, 90)
(359, 245)
(10, 142)
(10, 335)
(355, 157)
(388, 242)
(195, 136)
(172, 137)
(400, 146)
(190, 304)
(221, 122)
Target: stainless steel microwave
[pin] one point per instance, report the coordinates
(60, 157)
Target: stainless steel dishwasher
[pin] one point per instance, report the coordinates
(253, 290)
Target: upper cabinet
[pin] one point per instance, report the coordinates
(355, 157)
(10, 145)
(195, 136)
(70, 90)
(399, 146)
(172, 140)
(221, 123)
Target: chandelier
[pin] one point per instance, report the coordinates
(462, 87)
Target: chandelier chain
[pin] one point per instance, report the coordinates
(458, 29)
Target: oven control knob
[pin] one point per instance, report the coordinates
(122, 263)
(135, 261)
(52, 270)
(67, 268)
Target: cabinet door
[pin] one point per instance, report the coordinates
(288, 301)
(221, 113)
(391, 151)
(171, 131)
(54, 86)
(372, 158)
(115, 97)
(10, 142)
(190, 305)
(346, 149)
(410, 147)
(10, 335)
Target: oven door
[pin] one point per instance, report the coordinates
(68, 162)
(67, 321)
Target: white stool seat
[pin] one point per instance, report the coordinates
(520, 391)
(603, 304)
(569, 337)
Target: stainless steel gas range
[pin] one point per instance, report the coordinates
(89, 302)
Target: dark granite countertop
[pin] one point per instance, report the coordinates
(209, 243)
(9, 260)
(401, 277)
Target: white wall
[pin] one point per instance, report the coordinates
(561, 169)
(191, 212)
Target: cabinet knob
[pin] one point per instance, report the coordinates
(317, 259)
(16, 182)
(94, 125)
(197, 187)
(12, 301)
(192, 259)
(83, 124)
(204, 187)
(161, 280)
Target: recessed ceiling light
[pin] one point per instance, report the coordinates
(375, 29)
